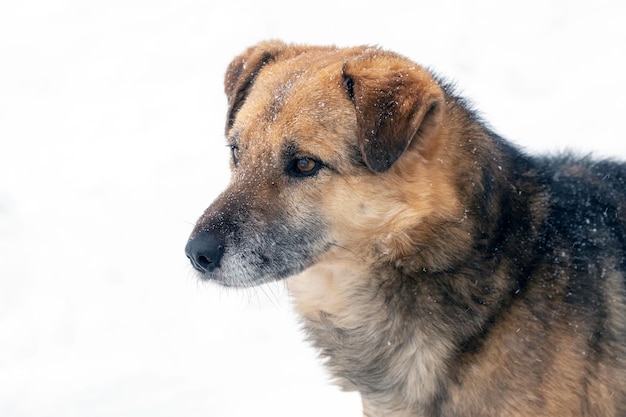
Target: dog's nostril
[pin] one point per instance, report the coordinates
(205, 251)
(204, 262)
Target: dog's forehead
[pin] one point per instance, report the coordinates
(301, 99)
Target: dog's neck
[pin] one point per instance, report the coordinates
(362, 337)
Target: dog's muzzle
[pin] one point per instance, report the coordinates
(205, 251)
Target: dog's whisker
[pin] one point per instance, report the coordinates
(270, 294)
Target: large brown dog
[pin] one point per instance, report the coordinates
(440, 271)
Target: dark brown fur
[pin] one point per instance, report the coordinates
(439, 270)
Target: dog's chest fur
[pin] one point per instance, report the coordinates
(366, 343)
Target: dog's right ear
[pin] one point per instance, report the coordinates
(242, 72)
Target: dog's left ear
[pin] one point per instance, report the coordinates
(396, 103)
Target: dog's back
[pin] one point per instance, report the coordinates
(560, 338)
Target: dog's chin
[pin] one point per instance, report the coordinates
(244, 277)
(236, 280)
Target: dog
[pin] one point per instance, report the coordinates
(439, 270)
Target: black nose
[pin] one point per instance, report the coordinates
(205, 251)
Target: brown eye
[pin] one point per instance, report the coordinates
(303, 167)
(306, 165)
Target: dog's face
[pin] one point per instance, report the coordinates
(324, 142)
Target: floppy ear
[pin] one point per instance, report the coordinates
(242, 72)
(396, 102)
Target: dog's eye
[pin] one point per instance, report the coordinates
(304, 167)
(234, 150)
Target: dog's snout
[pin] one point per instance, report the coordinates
(205, 251)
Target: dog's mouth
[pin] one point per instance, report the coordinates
(249, 270)
(251, 262)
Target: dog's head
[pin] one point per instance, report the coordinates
(332, 152)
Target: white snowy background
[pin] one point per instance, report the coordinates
(111, 145)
